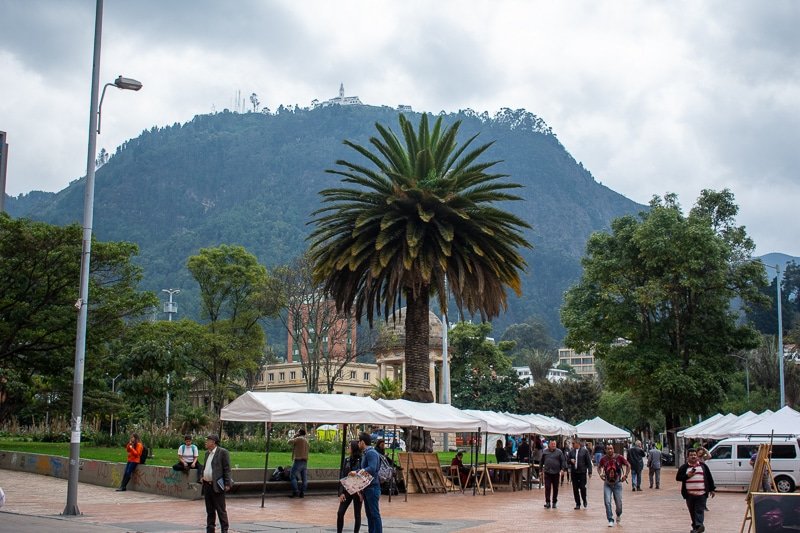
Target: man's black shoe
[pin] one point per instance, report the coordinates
(577, 507)
(302, 495)
(554, 505)
(547, 505)
(293, 495)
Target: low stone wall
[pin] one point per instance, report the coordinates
(152, 479)
(161, 480)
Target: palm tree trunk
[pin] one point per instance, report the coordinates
(417, 348)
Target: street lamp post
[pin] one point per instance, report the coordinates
(780, 336)
(82, 304)
(170, 308)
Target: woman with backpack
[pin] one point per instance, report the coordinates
(351, 464)
(134, 449)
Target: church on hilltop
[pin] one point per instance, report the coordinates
(340, 100)
(349, 100)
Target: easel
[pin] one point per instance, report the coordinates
(760, 466)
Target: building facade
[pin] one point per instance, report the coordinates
(582, 363)
(355, 379)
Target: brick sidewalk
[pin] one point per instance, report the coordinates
(31, 495)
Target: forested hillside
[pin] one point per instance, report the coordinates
(252, 179)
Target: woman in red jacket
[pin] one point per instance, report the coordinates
(134, 448)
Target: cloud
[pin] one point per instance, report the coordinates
(651, 97)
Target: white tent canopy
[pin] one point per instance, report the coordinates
(540, 424)
(730, 429)
(785, 421)
(706, 432)
(305, 407)
(433, 416)
(500, 423)
(597, 428)
(699, 426)
(565, 427)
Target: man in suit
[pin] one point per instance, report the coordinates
(580, 465)
(216, 480)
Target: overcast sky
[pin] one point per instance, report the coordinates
(652, 96)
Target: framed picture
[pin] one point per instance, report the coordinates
(775, 512)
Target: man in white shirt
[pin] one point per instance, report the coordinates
(188, 458)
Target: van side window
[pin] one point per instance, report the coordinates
(745, 451)
(783, 451)
(721, 452)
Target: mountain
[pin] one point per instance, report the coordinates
(777, 259)
(253, 179)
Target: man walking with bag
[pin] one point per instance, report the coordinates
(216, 480)
(371, 463)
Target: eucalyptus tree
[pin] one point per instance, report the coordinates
(417, 209)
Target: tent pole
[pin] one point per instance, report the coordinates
(266, 464)
(473, 459)
(485, 461)
(392, 482)
(407, 474)
(344, 444)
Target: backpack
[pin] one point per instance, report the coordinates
(386, 470)
(145, 455)
(611, 470)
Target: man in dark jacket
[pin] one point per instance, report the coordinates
(553, 463)
(580, 465)
(216, 480)
(636, 459)
(696, 485)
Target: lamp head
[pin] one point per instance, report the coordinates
(128, 83)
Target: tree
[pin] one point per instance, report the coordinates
(654, 302)
(480, 372)
(235, 293)
(323, 339)
(387, 389)
(572, 400)
(539, 363)
(424, 212)
(531, 335)
(152, 351)
(254, 101)
(39, 278)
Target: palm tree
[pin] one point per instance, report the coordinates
(387, 389)
(394, 232)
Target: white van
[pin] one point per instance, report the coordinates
(730, 461)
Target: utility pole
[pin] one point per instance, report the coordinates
(3, 168)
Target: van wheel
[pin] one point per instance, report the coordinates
(784, 484)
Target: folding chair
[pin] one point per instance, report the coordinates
(454, 476)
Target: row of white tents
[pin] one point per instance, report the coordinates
(786, 421)
(341, 409)
(272, 407)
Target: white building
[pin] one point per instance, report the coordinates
(554, 374)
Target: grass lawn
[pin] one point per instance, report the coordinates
(168, 457)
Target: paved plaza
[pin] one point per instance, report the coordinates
(33, 504)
